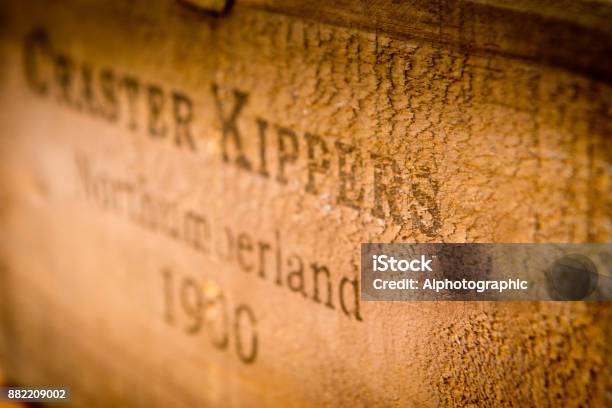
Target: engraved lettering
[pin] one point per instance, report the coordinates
(36, 49)
(315, 166)
(286, 154)
(229, 126)
(183, 115)
(348, 179)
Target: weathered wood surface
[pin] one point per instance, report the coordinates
(184, 195)
(573, 34)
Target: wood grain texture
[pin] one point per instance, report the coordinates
(573, 34)
(97, 196)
